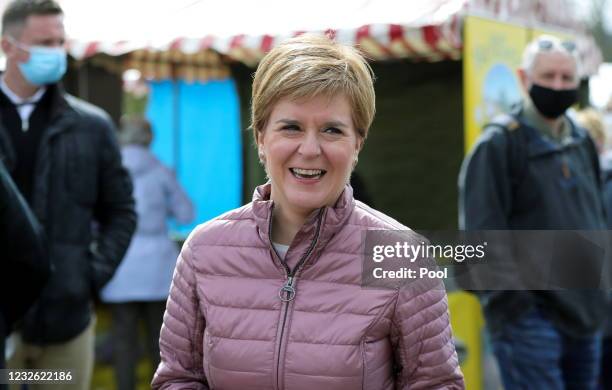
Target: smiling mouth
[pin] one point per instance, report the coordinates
(312, 174)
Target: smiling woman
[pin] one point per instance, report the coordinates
(269, 296)
(310, 148)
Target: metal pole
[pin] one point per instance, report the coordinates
(83, 82)
(176, 123)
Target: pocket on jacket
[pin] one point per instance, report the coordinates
(70, 279)
(377, 360)
(207, 351)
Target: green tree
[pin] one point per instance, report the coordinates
(597, 27)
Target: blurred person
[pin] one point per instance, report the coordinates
(593, 121)
(269, 295)
(25, 265)
(535, 169)
(139, 288)
(62, 154)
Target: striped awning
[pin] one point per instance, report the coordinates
(244, 31)
(428, 30)
(377, 41)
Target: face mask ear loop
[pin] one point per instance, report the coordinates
(17, 44)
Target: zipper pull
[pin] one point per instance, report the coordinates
(565, 169)
(287, 288)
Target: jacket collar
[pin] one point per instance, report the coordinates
(60, 106)
(541, 144)
(532, 117)
(321, 225)
(62, 115)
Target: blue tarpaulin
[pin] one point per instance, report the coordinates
(197, 133)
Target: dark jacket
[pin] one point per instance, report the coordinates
(78, 179)
(606, 167)
(558, 189)
(25, 266)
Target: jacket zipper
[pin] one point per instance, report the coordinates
(287, 292)
(55, 127)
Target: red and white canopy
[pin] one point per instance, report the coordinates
(244, 30)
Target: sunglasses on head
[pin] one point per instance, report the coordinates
(547, 44)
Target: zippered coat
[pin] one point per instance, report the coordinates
(239, 318)
(78, 180)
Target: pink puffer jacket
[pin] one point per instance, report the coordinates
(226, 326)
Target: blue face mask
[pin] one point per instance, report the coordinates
(46, 65)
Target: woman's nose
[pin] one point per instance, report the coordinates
(310, 146)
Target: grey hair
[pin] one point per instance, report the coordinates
(533, 49)
(135, 130)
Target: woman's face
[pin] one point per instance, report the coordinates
(309, 148)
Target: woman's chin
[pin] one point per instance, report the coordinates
(308, 200)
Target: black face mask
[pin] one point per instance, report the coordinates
(552, 103)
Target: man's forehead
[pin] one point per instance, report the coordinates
(43, 25)
(555, 61)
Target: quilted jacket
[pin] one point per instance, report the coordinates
(239, 318)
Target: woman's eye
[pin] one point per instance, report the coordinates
(333, 130)
(291, 127)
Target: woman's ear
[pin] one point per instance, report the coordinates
(260, 148)
(359, 145)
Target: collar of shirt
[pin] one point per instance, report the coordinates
(281, 249)
(26, 106)
(535, 120)
(18, 101)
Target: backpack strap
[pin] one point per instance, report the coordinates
(516, 147)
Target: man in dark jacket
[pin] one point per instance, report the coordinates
(536, 170)
(63, 156)
(25, 266)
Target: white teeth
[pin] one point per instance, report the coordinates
(307, 172)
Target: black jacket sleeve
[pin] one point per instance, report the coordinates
(25, 264)
(114, 209)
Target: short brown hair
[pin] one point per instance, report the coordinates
(308, 66)
(17, 12)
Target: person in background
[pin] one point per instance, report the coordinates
(139, 288)
(594, 123)
(269, 296)
(535, 169)
(591, 120)
(25, 264)
(63, 156)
